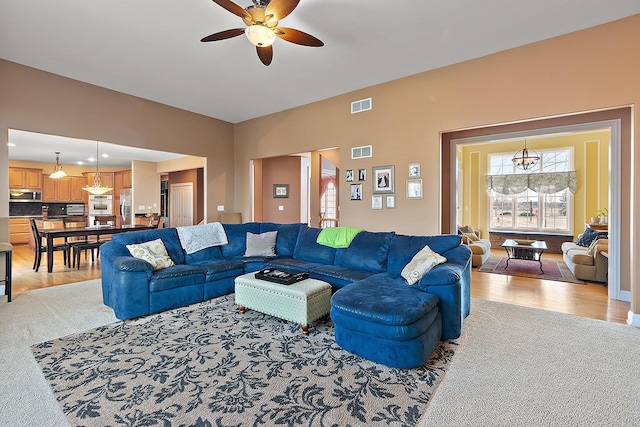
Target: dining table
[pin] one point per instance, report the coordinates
(97, 230)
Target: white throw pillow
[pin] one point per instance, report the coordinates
(261, 244)
(421, 263)
(154, 252)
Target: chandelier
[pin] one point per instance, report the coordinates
(97, 187)
(525, 158)
(57, 169)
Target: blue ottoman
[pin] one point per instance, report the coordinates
(388, 323)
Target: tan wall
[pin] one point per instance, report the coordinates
(588, 70)
(146, 187)
(38, 101)
(281, 170)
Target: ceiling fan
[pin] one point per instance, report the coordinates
(262, 20)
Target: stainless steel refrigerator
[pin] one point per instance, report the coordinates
(125, 207)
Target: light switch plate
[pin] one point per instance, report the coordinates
(220, 208)
(280, 208)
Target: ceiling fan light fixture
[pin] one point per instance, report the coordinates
(57, 169)
(260, 35)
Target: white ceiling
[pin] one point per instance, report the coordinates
(152, 48)
(37, 147)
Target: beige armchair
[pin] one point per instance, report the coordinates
(587, 263)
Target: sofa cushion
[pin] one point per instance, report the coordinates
(308, 249)
(153, 252)
(367, 251)
(263, 244)
(206, 254)
(580, 256)
(338, 276)
(169, 238)
(589, 235)
(176, 276)
(294, 265)
(597, 243)
(420, 264)
(480, 247)
(220, 269)
(287, 236)
(237, 236)
(383, 299)
(403, 248)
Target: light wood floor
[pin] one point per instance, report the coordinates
(586, 300)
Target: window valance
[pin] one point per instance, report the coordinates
(543, 183)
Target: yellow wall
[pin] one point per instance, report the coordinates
(591, 163)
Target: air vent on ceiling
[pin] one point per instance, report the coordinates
(360, 106)
(361, 152)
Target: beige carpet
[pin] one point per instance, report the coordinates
(514, 365)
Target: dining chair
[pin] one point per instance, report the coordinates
(80, 244)
(104, 220)
(154, 220)
(41, 248)
(231, 217)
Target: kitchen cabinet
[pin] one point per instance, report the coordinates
(25, 178)
(126, 179)
(19, 231)
(78, 195)
(56, 190)
(68, 189)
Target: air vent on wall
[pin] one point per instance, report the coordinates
(361, 152)
(360, 106)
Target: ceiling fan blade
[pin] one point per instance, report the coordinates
(265, 54)
(281, 8)
(222, 35)
(232, 7)
(298, 37)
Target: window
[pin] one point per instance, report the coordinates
(530, 210)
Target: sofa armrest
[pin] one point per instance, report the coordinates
(132, 264)
(449, 272)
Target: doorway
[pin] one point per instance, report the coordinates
(181, 206)
(619, 123)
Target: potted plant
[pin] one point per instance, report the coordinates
(603, 216)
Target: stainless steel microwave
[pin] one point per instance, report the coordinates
(25, 195)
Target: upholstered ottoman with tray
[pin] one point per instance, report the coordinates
(302, 302)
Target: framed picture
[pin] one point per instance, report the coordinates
(376, 202)
(390, 201)
(362, 174)
(414, 189)
(383, 179)
(356, 191)
(349, 174)
(280, 191)
(414, 170)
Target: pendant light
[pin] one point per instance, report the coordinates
(526, 158)
(97, 188)
(57, 169)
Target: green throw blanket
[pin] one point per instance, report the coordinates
(337, 237)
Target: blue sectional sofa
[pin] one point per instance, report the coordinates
(369, 292)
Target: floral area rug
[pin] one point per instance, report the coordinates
(553, 270)
(208, 365)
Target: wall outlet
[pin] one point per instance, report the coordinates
(280, 208)
(220, 208)
(140, 207)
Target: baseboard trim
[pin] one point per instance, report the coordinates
(633, 319)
